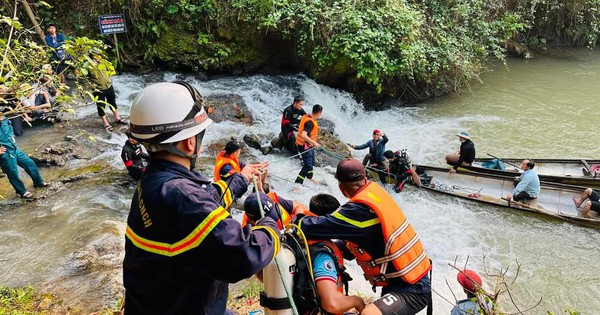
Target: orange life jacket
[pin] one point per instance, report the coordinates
(331, 248)
(403, 247)
(221, 161)
(312, 135)
(287, 218)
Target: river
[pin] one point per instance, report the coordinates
(546, 107)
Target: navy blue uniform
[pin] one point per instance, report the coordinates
(182, 248)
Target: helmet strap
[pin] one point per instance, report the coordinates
(172, 148)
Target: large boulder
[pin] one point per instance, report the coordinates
(228, 107)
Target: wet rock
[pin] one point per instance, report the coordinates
(266, 150)
(276, 142)
(228, 107)
(69, 138)
(333, 150)
(252, 141)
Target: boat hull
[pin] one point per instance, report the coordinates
(555, 200)
(563, 171)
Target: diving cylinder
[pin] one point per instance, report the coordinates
(272, 280)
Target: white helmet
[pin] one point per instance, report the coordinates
(165, 113)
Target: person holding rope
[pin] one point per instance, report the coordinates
(182, 248)
(381, 239)
(307, 141)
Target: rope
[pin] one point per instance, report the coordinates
(283, 281)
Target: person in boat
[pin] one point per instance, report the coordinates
(134, 157)
(376, 147)
(11, 157)
(465, 156)
(401, 169)
(326, 257)
(290, 121)
(471, 283)
(307, 142)
(592, 204)
(528, 186)
(182, 248)
(374, 227)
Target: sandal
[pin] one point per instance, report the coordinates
(108, 128)
(44, 184)
(122, 121)
(27, 195)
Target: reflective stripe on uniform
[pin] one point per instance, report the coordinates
(225, 192)
(275, 236)
(193, 240)
(359, 224)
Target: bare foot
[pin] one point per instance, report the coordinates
(577, 203)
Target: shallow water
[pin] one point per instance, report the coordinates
(545, 107)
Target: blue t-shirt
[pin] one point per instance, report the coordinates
(324, 267)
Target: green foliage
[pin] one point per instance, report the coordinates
(560, 22)
(435, 44)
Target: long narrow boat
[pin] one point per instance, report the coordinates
(555, 200)
(579, 172)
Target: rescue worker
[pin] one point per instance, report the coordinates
(400, 169)
(384, 243)
(306, 142)
(290, 120)
(228, 161)
(182, 247)
(327, 259)
(134, 157)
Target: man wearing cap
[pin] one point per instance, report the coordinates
(182, 247)
(375, 157)
(465, 156)
(134, 157)
(327, 259)
(381, 239)
(471, 283)
(290, 121)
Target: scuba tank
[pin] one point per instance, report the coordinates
(274, 298)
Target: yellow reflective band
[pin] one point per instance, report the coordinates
(276, 241)
(364, 224)
(193, 240)
(225, 192)
(301, 177)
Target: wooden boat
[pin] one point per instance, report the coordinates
(378, 175)
(555, 200)
(565, 171)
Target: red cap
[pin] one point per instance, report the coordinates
(350, 170)
(467, 279)
(376, 131)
